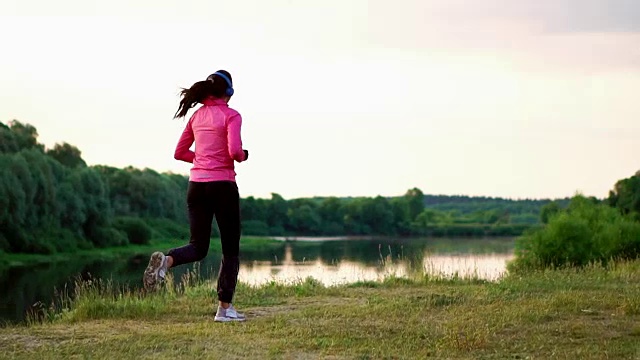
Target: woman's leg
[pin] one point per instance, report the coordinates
(227, 212)
(200, 204)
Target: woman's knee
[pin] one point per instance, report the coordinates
(201, 252)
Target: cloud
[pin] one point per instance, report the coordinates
(550, 15)
(531, 35)
(578, 15)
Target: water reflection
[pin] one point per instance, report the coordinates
(482, 266)
(329, 262)
(487, 266)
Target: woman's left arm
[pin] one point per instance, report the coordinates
(234, 139)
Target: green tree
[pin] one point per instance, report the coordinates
(332, 215)
(415, 199)
(354, 223)
(377, 214)
(254, 209)
(330, 210)
(137, 231)
(145, 193)
(430, 217)
(549, 211)
(277, 213)
(99, 215)
(72, 209)
(8, 142)
(586, 232)
(67, 154)
(303, 217)
(626, 195)
(18, 136)
(401, 215)
(13, 203)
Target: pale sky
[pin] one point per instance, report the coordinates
(518, 99)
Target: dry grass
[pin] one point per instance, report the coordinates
(592, 313)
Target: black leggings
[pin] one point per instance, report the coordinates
(204, 200)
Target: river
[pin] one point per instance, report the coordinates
(330, 261)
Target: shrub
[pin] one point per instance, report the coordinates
(586, 232)
(136, 230)
(108, 236)
(63, 240)
(255, 227)
(333, 228)
(165, 228)
(4, 244)
(278, 230)
(38, 246)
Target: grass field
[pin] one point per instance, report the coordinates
(590, 313)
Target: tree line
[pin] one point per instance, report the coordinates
(410, 214)
(51, 201)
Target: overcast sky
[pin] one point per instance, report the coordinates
(527, 98)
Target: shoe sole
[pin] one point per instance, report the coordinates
(150, 278)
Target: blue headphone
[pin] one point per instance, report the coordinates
(229, 91)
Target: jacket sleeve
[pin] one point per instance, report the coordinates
(182, 149)
(234, 139)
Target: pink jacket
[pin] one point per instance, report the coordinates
(215, 128)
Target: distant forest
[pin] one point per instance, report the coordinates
(51, 201)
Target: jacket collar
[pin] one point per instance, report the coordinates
(211, 101)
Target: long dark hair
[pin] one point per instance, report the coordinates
(201, 90)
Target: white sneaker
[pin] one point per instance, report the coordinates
(155, 272)
(228, 314)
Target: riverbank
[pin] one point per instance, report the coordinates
(248, 244)
(592, 313)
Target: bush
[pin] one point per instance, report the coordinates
(38, 246)
(30, 243)
(4, 244)
(108, 236)
(165, 228)
(508, 229)
(278, 230)
(255, 227)
(333, 228)
(584, 233)
(137, 231)
(63, 240)
(456, 230)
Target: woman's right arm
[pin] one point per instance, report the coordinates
(182, 149)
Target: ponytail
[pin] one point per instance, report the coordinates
(201, 90)
(193, 95)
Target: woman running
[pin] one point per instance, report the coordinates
(212, 191)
